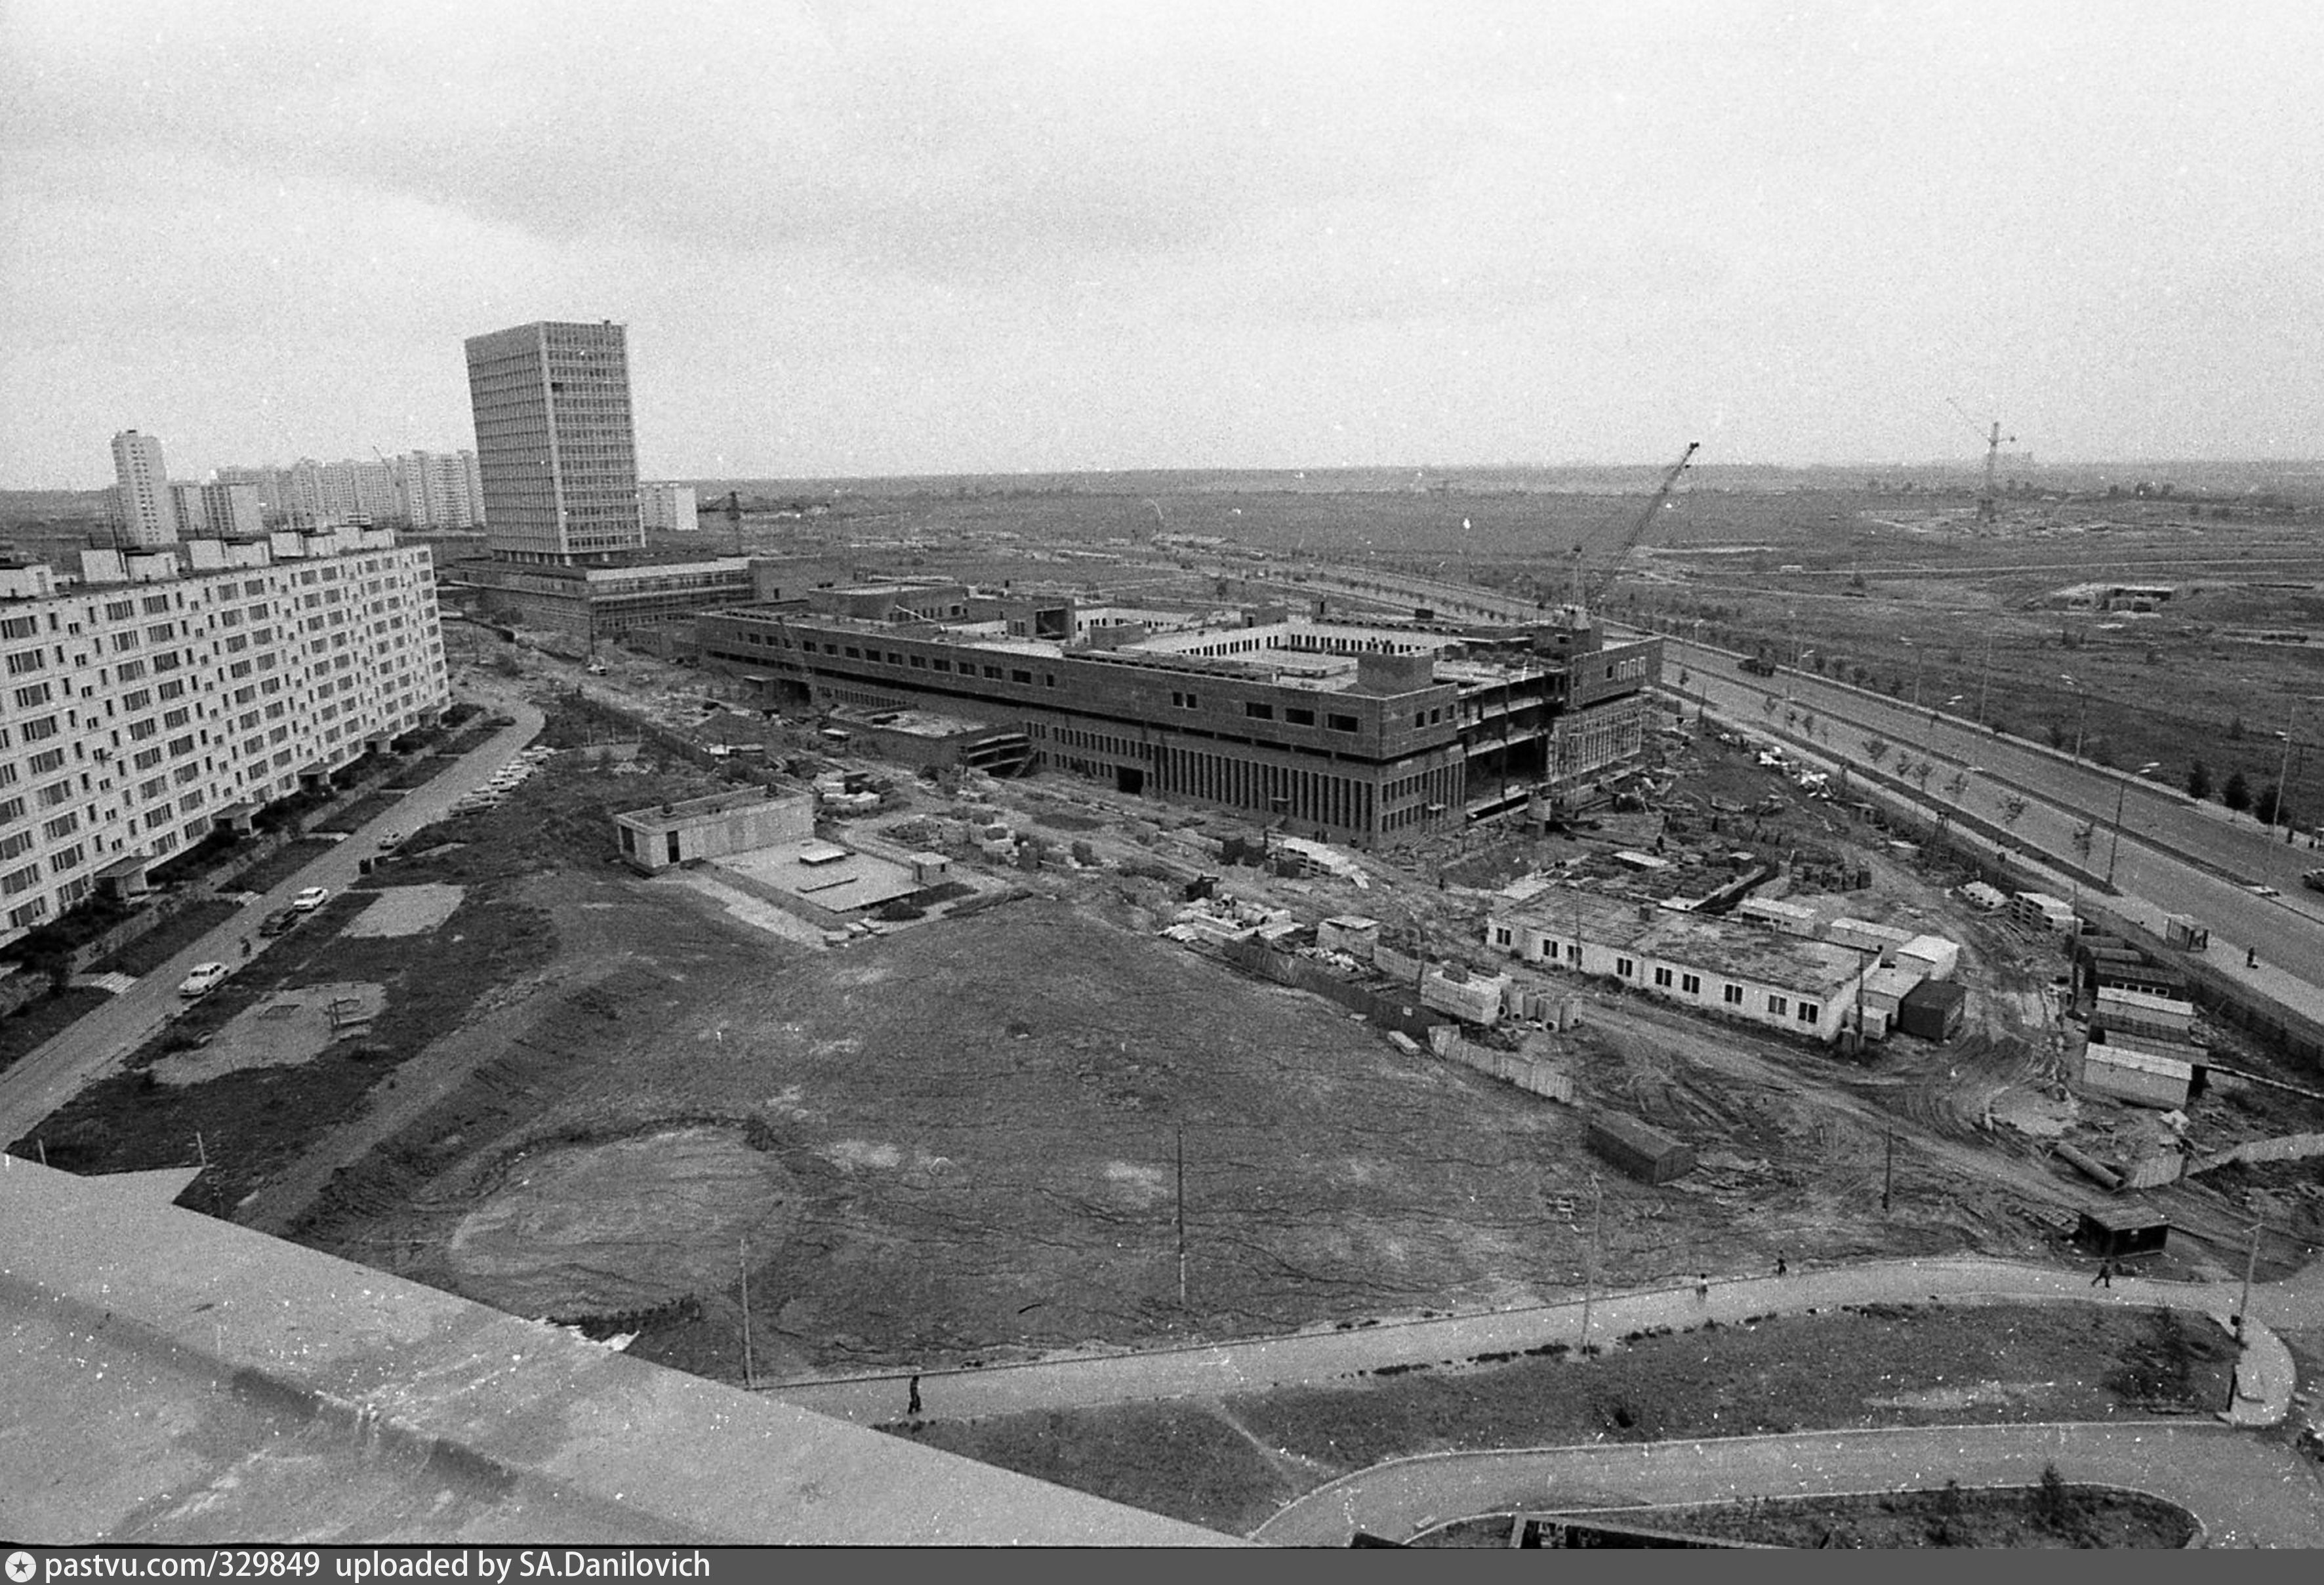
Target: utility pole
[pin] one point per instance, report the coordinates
(1182, 1216)
(1589, 1271)
(750, 1376)
(1888, 1175)
(2251, 1264)
(1984, 676)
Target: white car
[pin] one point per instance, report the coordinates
(308, 901)
(2263, 892)
(205, 979)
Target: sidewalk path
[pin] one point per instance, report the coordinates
(93, 1046)
(2245, 1491)
(1316, 1357)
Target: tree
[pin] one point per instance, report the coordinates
(2012, 807)
(2085, 835)
(2237, 794)
(2266, 805)
(2199, 781)
(1875, 749)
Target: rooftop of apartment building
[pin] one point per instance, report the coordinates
(100, 568)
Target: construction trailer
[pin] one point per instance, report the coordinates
(1933, 1009)
(1638, 1151)
(2130, 1069)
(2186, 933)
(2117, 1231)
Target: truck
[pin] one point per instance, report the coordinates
(1758, 665)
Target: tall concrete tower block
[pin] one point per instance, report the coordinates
(555, 443)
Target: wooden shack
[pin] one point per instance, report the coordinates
(2114, 1231)
(1638, 1151)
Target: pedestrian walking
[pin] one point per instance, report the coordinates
(2099, 1280)
(912, 1398)
(245, 946)
(1702, 1287)
(2107, 1273)
(2251, 957)
(1782, 1267)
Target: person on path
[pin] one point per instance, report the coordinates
(1702, 1287)
(245, 946)
(912, 1401)
(2104, 1271)
(1782, 1267)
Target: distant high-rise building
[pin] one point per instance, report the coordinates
(555, 443)
(217, 511)
(148, 515)
(439, 489)
(667, 509)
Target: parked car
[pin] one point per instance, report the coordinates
(279, 922)
(2263, 892)
(308, 901)
(391, 839)
(205, 979)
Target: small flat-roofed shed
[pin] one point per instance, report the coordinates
(2119, 1230)
(1639, 1151)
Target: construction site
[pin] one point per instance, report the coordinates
(773, 1045)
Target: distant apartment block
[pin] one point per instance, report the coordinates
(439, 489)
(555, 442)
(166, 690)
(148, 516)
(667, 509)
(219, 511)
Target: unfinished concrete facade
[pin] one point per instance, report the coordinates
(654, 839)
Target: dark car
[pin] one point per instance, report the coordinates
(277, 922)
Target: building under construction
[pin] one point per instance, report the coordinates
(1357, 730)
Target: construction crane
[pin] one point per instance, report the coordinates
(1988, 504)
(1586, 593)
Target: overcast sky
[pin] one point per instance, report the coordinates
(869, 238)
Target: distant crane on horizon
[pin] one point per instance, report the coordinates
(1988, 504)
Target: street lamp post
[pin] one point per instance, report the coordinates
(2121, 790)
(2283, 807)
(1984, 676)
(2081, 709)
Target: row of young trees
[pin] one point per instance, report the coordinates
(2235, 793)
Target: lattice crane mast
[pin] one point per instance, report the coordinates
(1588, 593)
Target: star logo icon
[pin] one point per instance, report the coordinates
(21, 1567)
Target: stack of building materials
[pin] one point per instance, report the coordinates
(1475, 998)
(2043, 912)
(1350, 934)
(1932, 1010)
(1865, 935)
(1934, 956)
(1791, 918)
(1636, 1150)
(1986, 900)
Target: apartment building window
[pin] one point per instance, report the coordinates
(1662, 977)
(1500, 936)
(1732, 995)
(1257, 710)
(1810, 1013)
(62, 826)
(1691, 984)
(147, 759)
(1342, 722)
(139, 731)
(32, 696)
(10, 811)
(40, 729)
(181, 745)
(1624, 968)
(1016, 675)
(1299, 715)
(22, 879)
(118, 609)
(155, 604)
(172, 689)
(66, 859)
(46, 760)
(137, 700)
(1778, 1005)
(26, 661)
(13, 844)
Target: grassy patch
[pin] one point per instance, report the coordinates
(283, 863)
(2055, 1514)
(1174, 1459)
(360, 813)
(166, 940)
(1903, 1366)
(254, 1122)
(36, 1023)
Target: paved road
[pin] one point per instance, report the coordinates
(1315, 1357)
(2245, 1491)
(50, 1075)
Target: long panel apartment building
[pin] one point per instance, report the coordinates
(161, 692)
(1357, 732)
